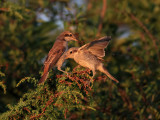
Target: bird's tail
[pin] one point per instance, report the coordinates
(105, 71)
(45, 75)
(43, 78)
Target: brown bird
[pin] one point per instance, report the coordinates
(55, 58)
(91, 55)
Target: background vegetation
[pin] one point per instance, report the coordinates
(27, 32)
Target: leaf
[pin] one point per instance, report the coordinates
(17, 14)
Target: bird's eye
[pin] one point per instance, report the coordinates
(66, 35)
(71, 52)
(70, 35)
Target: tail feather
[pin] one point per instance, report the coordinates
(45, 74)
(105, 71)
(43, 78)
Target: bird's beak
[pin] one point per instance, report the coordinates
(74, 38)
(71, 38)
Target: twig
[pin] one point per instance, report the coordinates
(150, 35)
(125, 98)
(89, 5)
(144, 28)
(102, 16)
(49, 102)
(147, 31)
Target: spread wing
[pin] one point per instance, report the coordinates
(96, 47)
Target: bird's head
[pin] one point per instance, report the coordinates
(67, 36)
(70, 53)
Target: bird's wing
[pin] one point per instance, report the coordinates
(96, 47)
(53, 56)
(51, 60)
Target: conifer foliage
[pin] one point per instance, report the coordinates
(28, 29)
(48, 101)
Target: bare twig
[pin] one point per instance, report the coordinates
(125, 98)
(150, 35)
(144, 28)
(102, 16)
(89, 5)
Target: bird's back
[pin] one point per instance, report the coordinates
(54, 54)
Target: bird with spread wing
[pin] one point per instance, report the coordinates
(91, 56)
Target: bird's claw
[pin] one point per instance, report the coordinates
(88, 83)
(67, 73)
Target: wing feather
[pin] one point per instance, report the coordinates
(56, 57)
(53, 57)
(96, 47)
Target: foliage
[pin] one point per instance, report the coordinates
(3, 86)
(50, 101)
(20, 36)
(133, 57)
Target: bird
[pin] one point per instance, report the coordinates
(91, 56)
(55, 56)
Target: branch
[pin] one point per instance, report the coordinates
(49, 102)
(144, 28)
(102, 16)
(89, 6)
(148, 33)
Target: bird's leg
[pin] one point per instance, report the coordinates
(78, 66)
(62, 70)
(94, 73)
(74, 69)
(91, 80)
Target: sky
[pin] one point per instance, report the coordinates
(44, 17)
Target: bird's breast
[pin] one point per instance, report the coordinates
(65, 44)
(86, 59)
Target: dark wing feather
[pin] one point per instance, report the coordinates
(54, 56)
(96, 47)
(50, 61)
